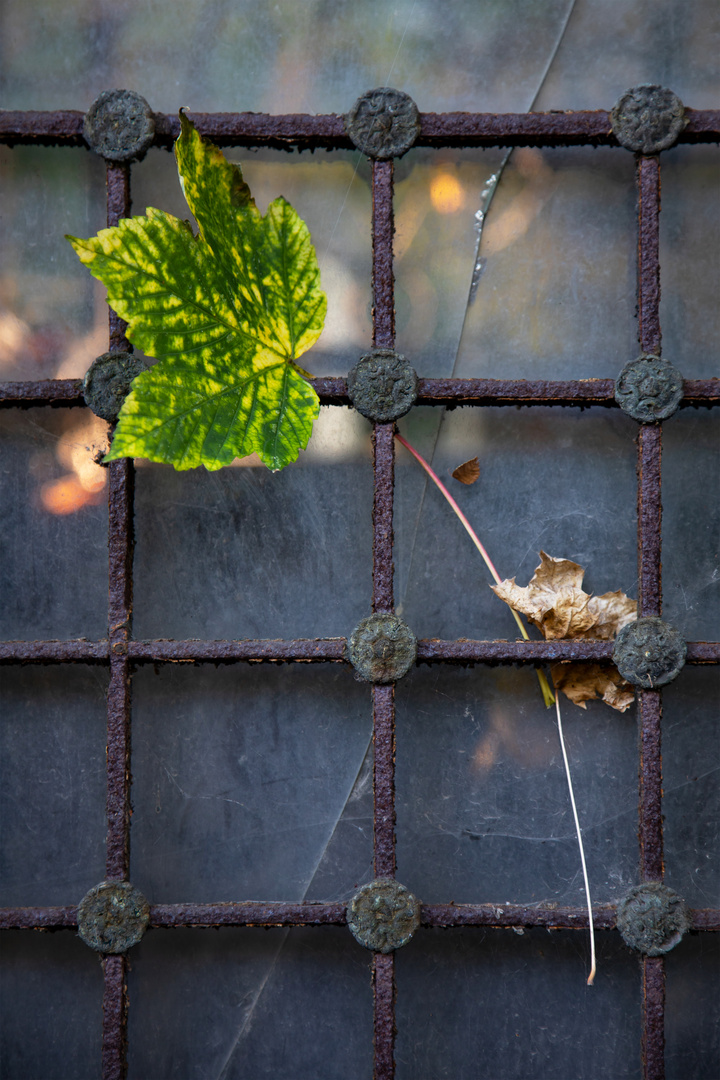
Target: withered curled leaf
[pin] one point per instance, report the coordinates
(556, 603)
(468, 472)
(585, 682)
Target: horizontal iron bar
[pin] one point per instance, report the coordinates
(333, 391)
(256, 913)
(320, 650)
(459, 129)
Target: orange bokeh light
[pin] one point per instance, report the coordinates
(67, 494)
(446, 192)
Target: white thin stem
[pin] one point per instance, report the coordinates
(548, 696)
(591, 976)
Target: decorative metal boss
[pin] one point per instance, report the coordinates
(652, 918)
(113, 916)
(382, 648)
(383, 915)
(649, 653)
(383, 123)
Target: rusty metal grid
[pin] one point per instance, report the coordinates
(121, 653)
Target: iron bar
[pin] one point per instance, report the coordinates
(301, 131)
(384, 780)
(332, 390)
(277, 914)
(650, 825)
(649, 513)
(114, 1017)
(319, 650)
(383, 978)
(653, 1043)
(648, 258)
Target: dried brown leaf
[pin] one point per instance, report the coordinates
(556, 603)
(468, 472)
(586, 682)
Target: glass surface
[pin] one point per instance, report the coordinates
(691, 799)
(51, 1009)
(53, 317)
(331, 193)
(317, 57)
(244, 552)
(691, 523)
(690, 260)
(52, 795)
(692, 1031)
(555, 293)
(558, 480)
(241, 777)
(242, 1004)
(495, 1003)
(53, 528)
(483, 812)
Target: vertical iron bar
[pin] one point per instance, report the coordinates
(383, 280)
(384, 779)
(120, 545)
(648, 264)
(651, 827)
(383, 601)
(650, 603)
(383, 442)
(114, 1018)
(384, 999)
(653, 1050)
(649, 519)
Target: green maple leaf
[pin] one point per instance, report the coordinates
(227, 312)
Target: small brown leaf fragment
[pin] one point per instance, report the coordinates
(556, 603)
(468, 472)
(586, 682)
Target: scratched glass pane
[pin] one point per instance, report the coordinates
(242, 1004)
(284, 57)
(611, 46)
(690, 259)
(331, 192)
(554, 278)
(53, 319)
(53, 528)
(691, 524)
(244, 552)
(52, 794)
(483, 809)
(51, 1007)
(558, 480)
(692, 1030)
(691, 800)
(518, 1004)
(247, 781)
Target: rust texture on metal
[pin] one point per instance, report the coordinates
(247, 914)
(383, 279)
(383, 442)
(384, 780)
(511, 915)
(54, 652)
(290, 131)
(650, 809)
(383, 979)
(653, 1042)
(649, 515)
(38, 918)
(118, 206)
(648, 258)
(114, 1049)
(332, 390)
(59, 392)
(254, 913)
(464, 651)
(313, 650)
(118, 770)
(318, 650)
